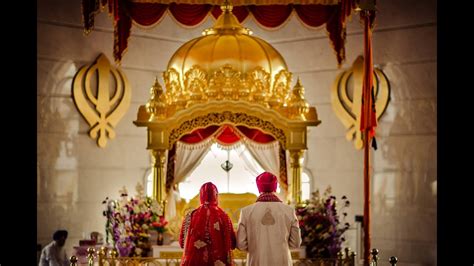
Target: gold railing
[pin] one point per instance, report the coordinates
(103, 257)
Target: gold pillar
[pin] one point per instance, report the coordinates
(159, 175)
(296, 157)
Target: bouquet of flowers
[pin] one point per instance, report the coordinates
(160, 225)
(129, 221)
(321, 229)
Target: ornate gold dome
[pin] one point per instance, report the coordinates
(227, 63)
(227, 45)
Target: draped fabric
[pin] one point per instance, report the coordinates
(187, 158)
(271, 157)
(191, 149)
(368, 119)
(253, 167)
(248, 160)
(263, 147)
(226, 135)
(268, 156)
(269, 15)
(209, 237)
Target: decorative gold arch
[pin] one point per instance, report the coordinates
(163, 133)
(230, 78)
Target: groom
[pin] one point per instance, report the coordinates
(268, 228)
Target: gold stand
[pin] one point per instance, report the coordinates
(296, 157)
(159, 175)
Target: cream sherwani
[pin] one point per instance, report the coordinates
(266, 231)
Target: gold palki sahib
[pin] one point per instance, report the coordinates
(226, 76)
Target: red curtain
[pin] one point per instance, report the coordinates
(147, 14)
(189, 15)
(227, 134)
(255, 134)
(270, 16)
(199, 135)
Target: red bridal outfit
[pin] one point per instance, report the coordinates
(207, 235)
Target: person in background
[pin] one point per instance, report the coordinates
(54, 253)
(268, 228)
(207, 234)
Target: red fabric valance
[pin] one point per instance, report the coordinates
(226, 135)
(270, 16)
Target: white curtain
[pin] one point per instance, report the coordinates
(250, 163)
(188, 157)
(268, 156)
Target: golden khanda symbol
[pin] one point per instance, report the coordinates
(346, 98)
(102, 94)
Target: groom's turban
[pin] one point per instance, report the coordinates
(266, 182)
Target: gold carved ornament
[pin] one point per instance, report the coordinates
(100, 108)
(226, 117)
(346, 98)
(227, 84)
(227, 63)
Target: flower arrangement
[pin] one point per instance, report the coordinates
(160, 225)
(129, 221)
(321, 229)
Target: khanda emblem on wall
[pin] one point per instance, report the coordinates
(102, 95)
(346, 98)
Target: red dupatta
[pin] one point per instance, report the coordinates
(207, 234)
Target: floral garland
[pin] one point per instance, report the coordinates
(321, 228)
(129, 221)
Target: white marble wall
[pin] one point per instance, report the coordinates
(74, 175)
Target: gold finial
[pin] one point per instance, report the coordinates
(393, 260)
(102, 253)
(375, 253)
(298, 86)
(90, 256)
(226, 22)
(113, 253)
(73, 260)
(352, 259)
(157, 104)
(297, 104)
(226, 6)
(156, 86)
(347, 252)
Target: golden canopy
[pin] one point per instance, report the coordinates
(227, 63)
(227, 44)
(226, 76)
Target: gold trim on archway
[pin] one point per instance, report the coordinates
(227, 76)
